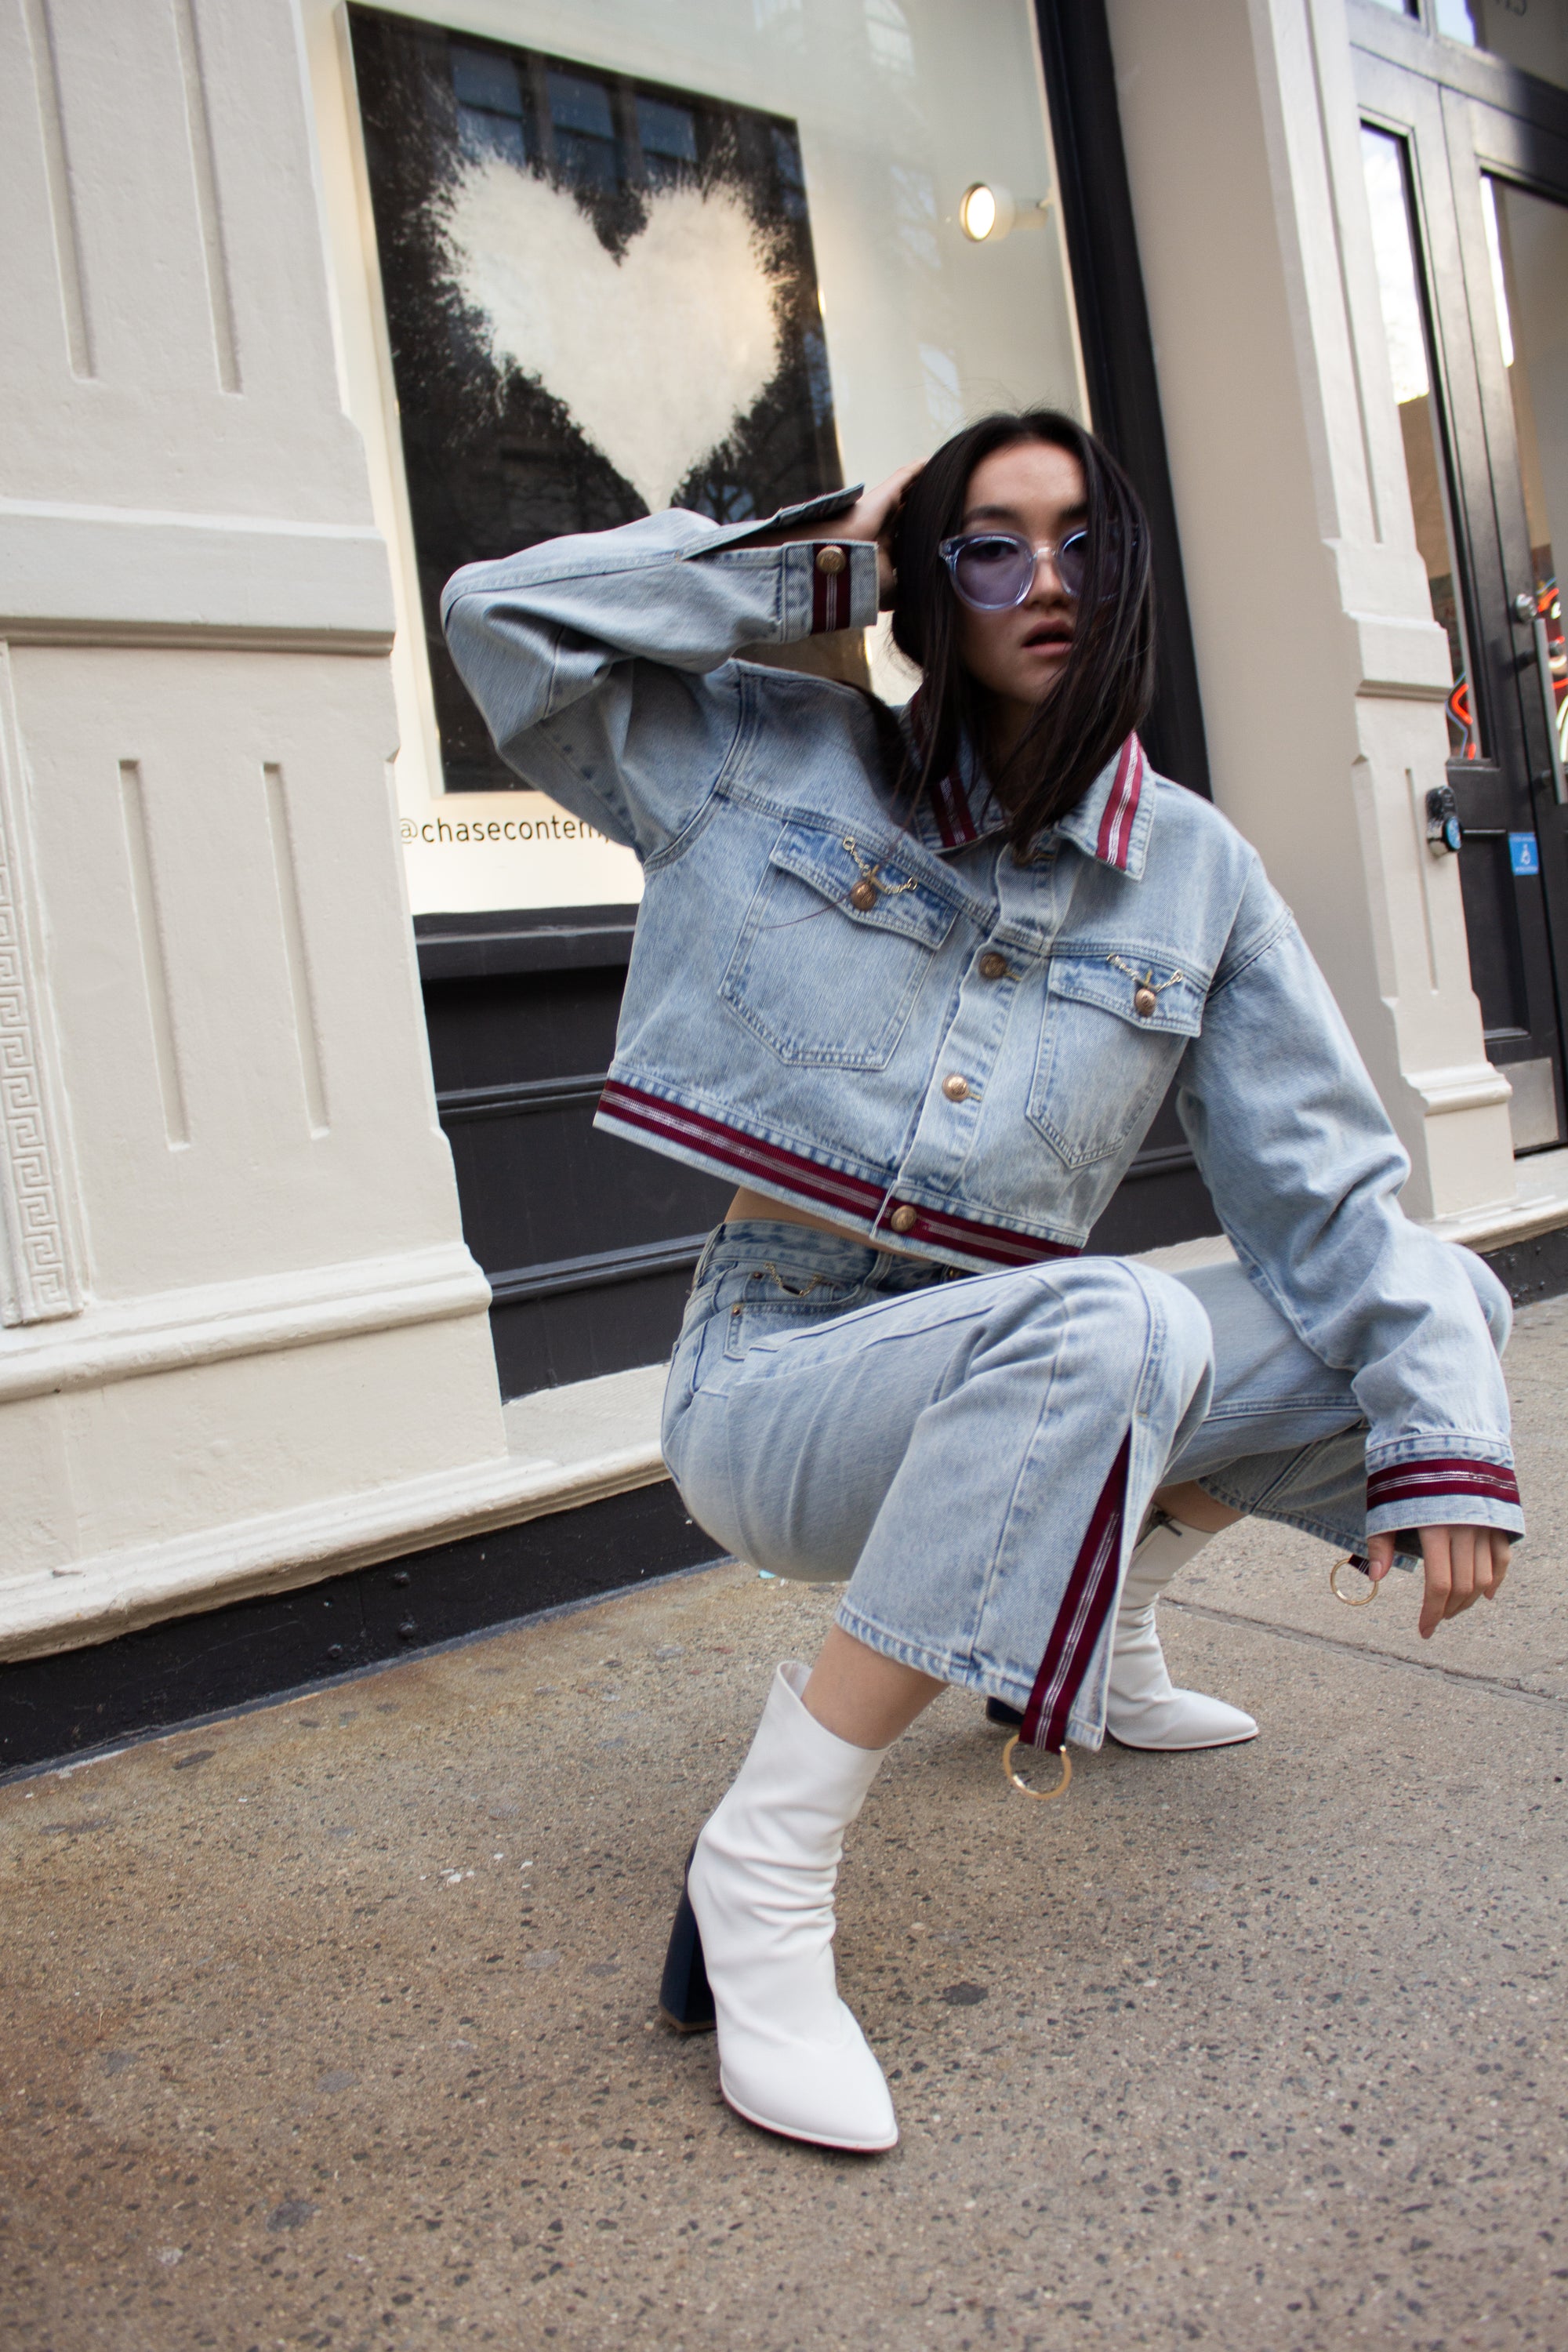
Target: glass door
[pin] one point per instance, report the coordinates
(1466, 162)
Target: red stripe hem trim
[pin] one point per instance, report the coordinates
(1092, 1587)
(827, 1188)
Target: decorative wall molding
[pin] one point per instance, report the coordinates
(94, 1599)
(296, 1308)
(39, 1277)
(1466, 1085)
(117, 575)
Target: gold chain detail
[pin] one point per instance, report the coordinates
(873, 874)
(1146, 979)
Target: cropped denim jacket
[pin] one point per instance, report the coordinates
(876, 1015)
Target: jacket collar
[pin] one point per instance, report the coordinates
(1111, 823)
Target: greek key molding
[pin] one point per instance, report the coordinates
(39, 1278)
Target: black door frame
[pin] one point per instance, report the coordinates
(1462, 113)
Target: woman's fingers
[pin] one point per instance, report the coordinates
(1379, 1557)
(1436, 1560)
(1462, 1564)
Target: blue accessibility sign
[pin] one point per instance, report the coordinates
(1524, 853)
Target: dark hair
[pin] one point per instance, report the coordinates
(1105, 687)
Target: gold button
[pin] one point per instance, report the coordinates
(955, 1087)
(992, 966)
(902, 1219)
(1145, 1002)
(831, 560)
(864, 896)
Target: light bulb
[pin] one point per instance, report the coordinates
(977, 212)
(987, 212)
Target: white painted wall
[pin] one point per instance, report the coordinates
(1323, 671)
(239, 1320)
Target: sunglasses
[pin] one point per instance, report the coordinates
(992, 570)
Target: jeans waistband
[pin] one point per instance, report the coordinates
(755, 1242)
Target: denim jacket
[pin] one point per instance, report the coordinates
(880, 1016)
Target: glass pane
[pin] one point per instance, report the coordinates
(1530, 34)
(706, 256)
(1404, 323)
(1530, 262)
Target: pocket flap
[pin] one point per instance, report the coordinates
(1144, 990)
(839, 863)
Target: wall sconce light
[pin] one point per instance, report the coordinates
(987, 212)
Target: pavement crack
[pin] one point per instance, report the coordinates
(1502, 1683)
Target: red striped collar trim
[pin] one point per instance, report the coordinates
(827, 1190)
(954, 817)
(1405, 1481)
(1122, 806)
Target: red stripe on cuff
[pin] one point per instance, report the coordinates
(1405, 1481)
(830, 593)
(1091, 1588)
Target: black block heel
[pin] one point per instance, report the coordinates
(998, 1711)
(684, 1999)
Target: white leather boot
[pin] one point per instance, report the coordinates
(760, 1883)
(1142, 1707)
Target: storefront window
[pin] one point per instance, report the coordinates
(1404, 323)
(1529, 239)
(708, 257)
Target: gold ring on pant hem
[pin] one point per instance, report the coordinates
(1044, 1795)
(1349, 1598)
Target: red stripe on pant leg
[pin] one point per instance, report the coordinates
(1082, 1613)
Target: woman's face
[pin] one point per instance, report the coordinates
(1036, 489)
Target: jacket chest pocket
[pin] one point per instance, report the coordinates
(836, 943)
(1113, 1032)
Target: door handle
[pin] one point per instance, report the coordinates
(1528, 612)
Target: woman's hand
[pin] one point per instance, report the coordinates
(872, 517)
(1461, 1563)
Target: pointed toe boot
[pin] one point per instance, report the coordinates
(759, 1892)
(1143, 1708)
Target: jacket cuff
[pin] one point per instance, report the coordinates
(829, 585)
(1443, 1488)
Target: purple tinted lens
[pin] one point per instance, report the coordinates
(1072, 562)
(993, 573)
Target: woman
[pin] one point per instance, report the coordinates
(921, 983)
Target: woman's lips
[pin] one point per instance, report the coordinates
(1054, 641)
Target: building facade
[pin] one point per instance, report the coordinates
(310, 302)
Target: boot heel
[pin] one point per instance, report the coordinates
(684, 1999)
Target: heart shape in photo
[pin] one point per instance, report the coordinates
(657, 354)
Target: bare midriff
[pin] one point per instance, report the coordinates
(748, 1204)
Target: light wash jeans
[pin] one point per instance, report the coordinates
(974, 1453)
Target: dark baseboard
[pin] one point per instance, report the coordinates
(221, 1660)
(1533, 1269)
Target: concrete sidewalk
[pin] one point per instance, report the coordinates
(333, 2024)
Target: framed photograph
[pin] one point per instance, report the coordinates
(601, 298)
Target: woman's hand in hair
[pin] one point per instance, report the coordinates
(1463, 1565)
(871, 517)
